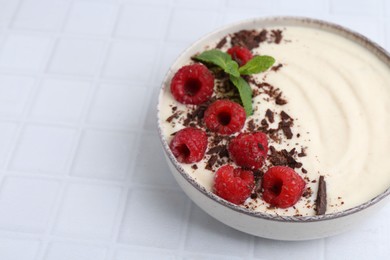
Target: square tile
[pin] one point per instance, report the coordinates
(7, 11)
(88, 211)
(148, 2)
(236, 15)
(183, 27)
(104, 155)
(25, 204)
(372, 7)
(43, 149)
(60, 100)
(24, 52)
(210, 257)
(252, 4)
(10, 249)
(91, 18)
(150, 121)
(146, 254)
(140, 226)
(30, 14)
(119, 104)
(171, 52)
(265, 248)
(77, 56)
(205, 230)
(203, 4)
(135, 22)
(131, 60)
(14, 93)
(369, 240)
(70, 251)
(151, 167)
(303, 5)
(7, 134)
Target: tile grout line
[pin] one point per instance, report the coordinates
(54, 212)
(120, 214)
(184, 232)
(251, 251)
(7, 29)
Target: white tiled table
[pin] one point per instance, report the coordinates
(82, 176)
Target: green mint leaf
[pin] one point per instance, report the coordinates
(221, 59)
(256, 65)
(245, 92)
(232, 68)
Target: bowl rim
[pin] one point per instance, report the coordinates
(303, 21)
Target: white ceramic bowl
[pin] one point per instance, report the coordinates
(261, 224)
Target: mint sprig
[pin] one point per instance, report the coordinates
(245, 92)
(256, 65)
(223, 60)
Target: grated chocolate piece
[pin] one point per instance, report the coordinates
(251, 125)
(270, 115)
(210, 163)
(302, 153)
(286, 128)
(221, 43)
(285, 116)
(277, 36)
(283, 158)
(307, 193)
(277, 67)
(321, 196)
(221, 150)
(279, 100)
(173, 116)
(248, 38)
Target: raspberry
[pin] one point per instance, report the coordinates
(240, 54)
(282, 186)
(249, 150)
(225, 117)
(192, 84)
(234, 185)
(189, 145)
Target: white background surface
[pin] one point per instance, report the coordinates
(82, 175)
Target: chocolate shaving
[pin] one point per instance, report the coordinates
(321, 196)
(285, 116)
(251, 125)
(174, 116)
(268, 89)
(302, 153)
(196, 116)
(277, 36)
(307, 193)
(286, 128)
(258, 174)
(277, 67)
(210, 163)
(283, 158)
(279, 100)
(221, 150)
(270, 115)
(194, 166)
(249, 39)
(221, 43)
